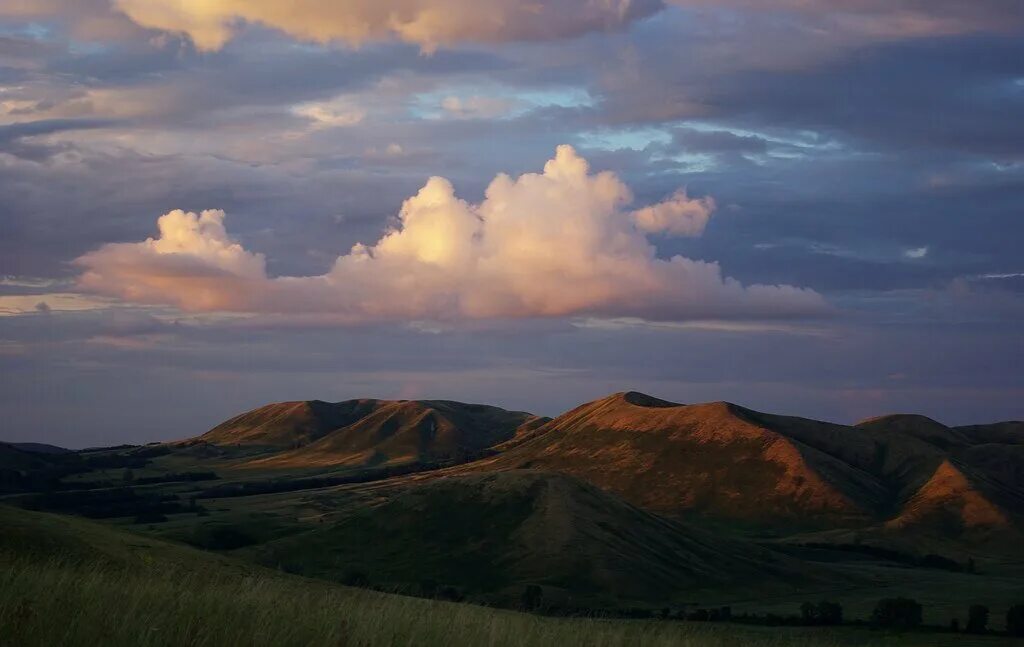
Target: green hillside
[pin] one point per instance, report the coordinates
(492, 534)
(66, 581)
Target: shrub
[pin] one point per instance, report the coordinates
(897, 613)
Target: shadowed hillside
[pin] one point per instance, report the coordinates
(13, 458)
(491, 534)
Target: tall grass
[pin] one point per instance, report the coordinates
(53, 603)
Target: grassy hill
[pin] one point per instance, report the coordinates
(490, 535)
(723, 461)
(358, 433)
(628, 502)
(66, 581)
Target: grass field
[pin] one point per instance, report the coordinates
(56, 603)
(65, 581)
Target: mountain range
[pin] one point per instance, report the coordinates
(716, 460)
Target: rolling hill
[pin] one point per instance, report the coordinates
(724, 461)
(492, 534)
(625, 502)
(709, 458)
(366, 432)
(111, 587)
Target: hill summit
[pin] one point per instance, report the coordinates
(367, 432)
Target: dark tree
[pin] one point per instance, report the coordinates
(897, 613)
(822, 613)
(954, 625)
(829, 613)
(1015, 620)
(533, 595)
(977, 619)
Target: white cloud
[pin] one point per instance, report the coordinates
(557, 243)
(680, 215)
(916, 253)
(428, 23)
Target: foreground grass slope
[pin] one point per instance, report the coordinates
(65, 581)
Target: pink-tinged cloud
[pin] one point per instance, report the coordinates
(209, 24)
(551, 244)
(428, 23)
(680, 215)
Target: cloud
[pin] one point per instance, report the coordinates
(477, 107)
(428, 23)
(680, 215)
(549, 244)
(916, 253)
(193, 263)
(336, 113)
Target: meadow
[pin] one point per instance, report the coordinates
(67, 581)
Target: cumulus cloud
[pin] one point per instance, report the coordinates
(428, 23)
(557, 243)
(193, 264)
(680, 215)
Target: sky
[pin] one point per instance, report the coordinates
(807, 207)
